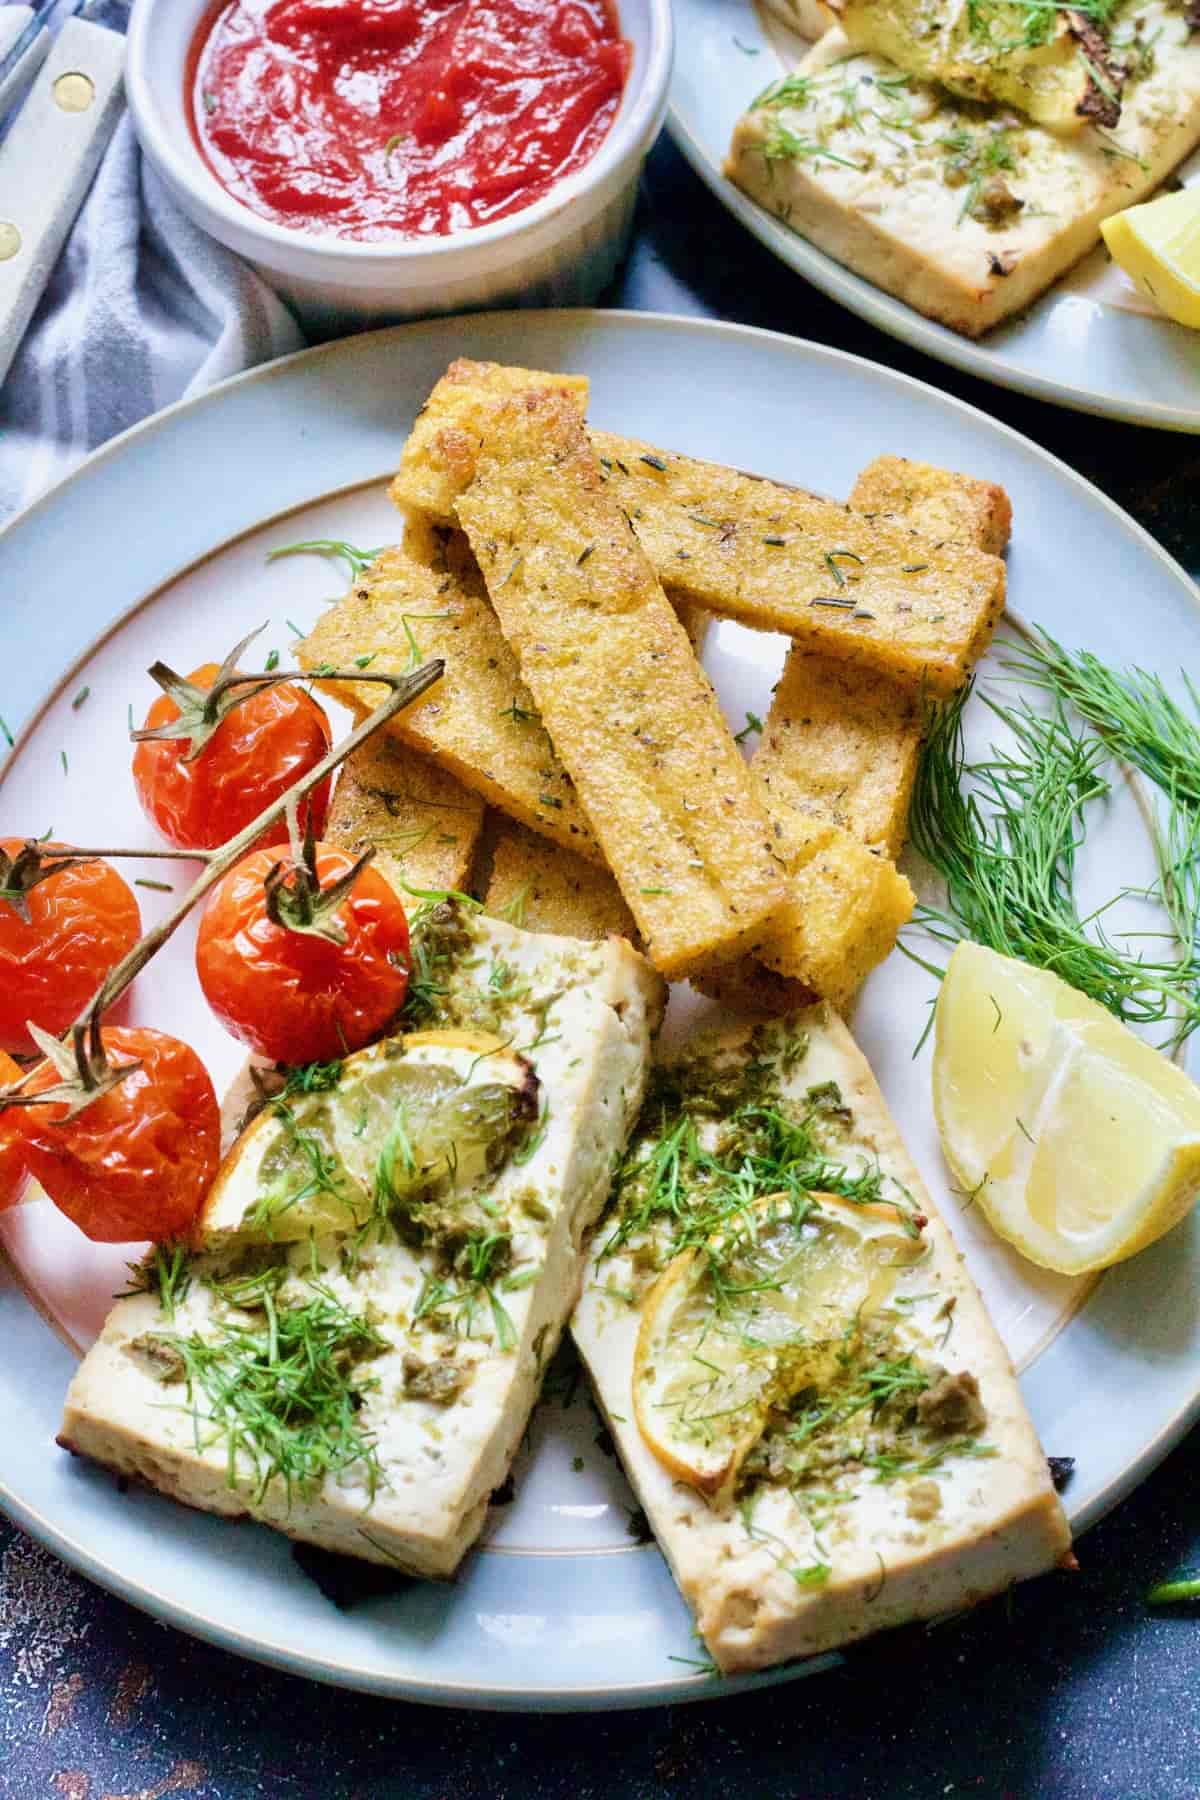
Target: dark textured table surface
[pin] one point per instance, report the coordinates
(1072, 1690)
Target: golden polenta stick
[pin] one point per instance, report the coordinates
(542, 887)
(630, 711)
(425, 825)
(438, 460)
(864, 590)
(844, 907)
(427, 599)
(867, 591)
(843, 744)
(939, 503)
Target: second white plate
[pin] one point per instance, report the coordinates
(1089, 343)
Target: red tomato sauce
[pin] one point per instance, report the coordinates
(380, 118)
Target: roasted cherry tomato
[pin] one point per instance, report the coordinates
(293, 995)
(82, 921)
(137, 1161)
(261, 746)
(12, 1139)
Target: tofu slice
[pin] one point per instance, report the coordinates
(628, 707)
(966, 219)
(809, 18)
(771, 557)
(865, 1537)
(424, 823)
(1056, 67)
(436, 1404)
(541, 886)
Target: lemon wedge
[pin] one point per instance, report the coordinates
(1158, 246)
(750, 1317)
(1079, 1142)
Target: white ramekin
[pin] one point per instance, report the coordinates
(560, 251)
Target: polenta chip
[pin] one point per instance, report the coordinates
(866, 591)
(425, 825)
(542, 887)
(840, 743)
(630, 711)
(427, 599)
(844, 909)
(939, 503)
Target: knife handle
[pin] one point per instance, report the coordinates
(16, 84)
(47, 162)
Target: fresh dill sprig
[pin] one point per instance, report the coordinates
(1004, 835)
(359, 561)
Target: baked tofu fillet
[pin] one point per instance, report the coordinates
(422, 822)
(966, 219)
(744, 548)
(425, 1352)
(843, 744)
(627, 706)
(482, 725)
(889, 1472)
(1056, 67)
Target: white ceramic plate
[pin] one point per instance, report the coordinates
(1089, 343)
(156, 548)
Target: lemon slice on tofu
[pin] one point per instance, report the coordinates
(409, 1117)
(753, 1315)
(1158, 246)
(1079, 1142)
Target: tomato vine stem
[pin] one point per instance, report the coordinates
(83, 1040)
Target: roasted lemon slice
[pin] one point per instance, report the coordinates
(1158, 246)
(751, 1316)
(407, 1118)
(1079, 1142)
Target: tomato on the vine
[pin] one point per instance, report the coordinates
(12, 1141)
(270, 967)
(81, 920)
(137, 1161)
(259, 747)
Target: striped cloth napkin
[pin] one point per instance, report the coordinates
(143, 309)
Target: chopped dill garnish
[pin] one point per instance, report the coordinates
(272, 661)
(284, 1394)
(10, 740)
(655, 462)
(80, 698)
(517, 714)
(167, 1271)
(753, 724)
(481, 1262)
(1174, 1593)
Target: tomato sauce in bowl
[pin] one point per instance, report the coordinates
(370, 119)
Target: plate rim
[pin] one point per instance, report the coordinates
(894, 316)
(492, 1696)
